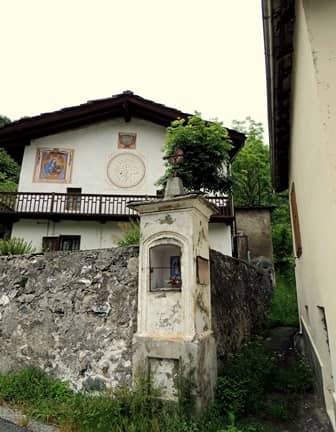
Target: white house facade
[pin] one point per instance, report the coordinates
(82, 165)
(301, 72)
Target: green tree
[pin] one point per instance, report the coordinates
(9, 169)
(251, 173)
(205, 146)
(4, 120)
(9, 172)
(252, 186)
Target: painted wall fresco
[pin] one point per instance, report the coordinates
(53, 165)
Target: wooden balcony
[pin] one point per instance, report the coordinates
(56, 206)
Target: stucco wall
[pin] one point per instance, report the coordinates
(220, 238)
(93, 148)
(313, 170)
(96, 235)
(75, 313)
(256, 224)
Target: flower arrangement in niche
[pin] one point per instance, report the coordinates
(175, 281)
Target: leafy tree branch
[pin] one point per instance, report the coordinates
(205, 146)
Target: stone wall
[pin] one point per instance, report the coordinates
(70, 313)
(74, 314)
(240, 296)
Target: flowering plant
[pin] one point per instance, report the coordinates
(175, 280)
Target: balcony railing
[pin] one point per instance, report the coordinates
(84, 206)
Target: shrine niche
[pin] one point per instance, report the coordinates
(174, 332)
(165, 268)
(126, 170)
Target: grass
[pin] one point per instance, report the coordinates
(254, 381)
(256, 391)
(283, 310)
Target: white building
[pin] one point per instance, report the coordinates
(300, 47)
(82, 165)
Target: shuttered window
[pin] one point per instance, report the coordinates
(50, 244)
(295, 221)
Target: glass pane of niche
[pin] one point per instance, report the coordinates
(165, 268)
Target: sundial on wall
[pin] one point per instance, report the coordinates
(126, 170)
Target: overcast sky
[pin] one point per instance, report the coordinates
(188, 54)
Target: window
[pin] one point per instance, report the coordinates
(61, 243)
(165, 268)
(69, 243)
(73, 199)
(50, 244)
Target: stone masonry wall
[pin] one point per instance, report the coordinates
(70, 313)
(74, 314)
(240, 296)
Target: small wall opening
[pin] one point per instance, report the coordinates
(165, 268)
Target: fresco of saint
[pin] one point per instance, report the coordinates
(53, 165)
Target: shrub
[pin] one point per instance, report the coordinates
(15, 246)
(206, 147)
(295, 378)
(130, 233)
(241, 389)
(280, 409)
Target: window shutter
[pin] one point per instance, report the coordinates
(50, 244)
(295, 221)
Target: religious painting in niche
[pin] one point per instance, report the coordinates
(53, 165)
(127, 140)
(175, 270)
(165, 268)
